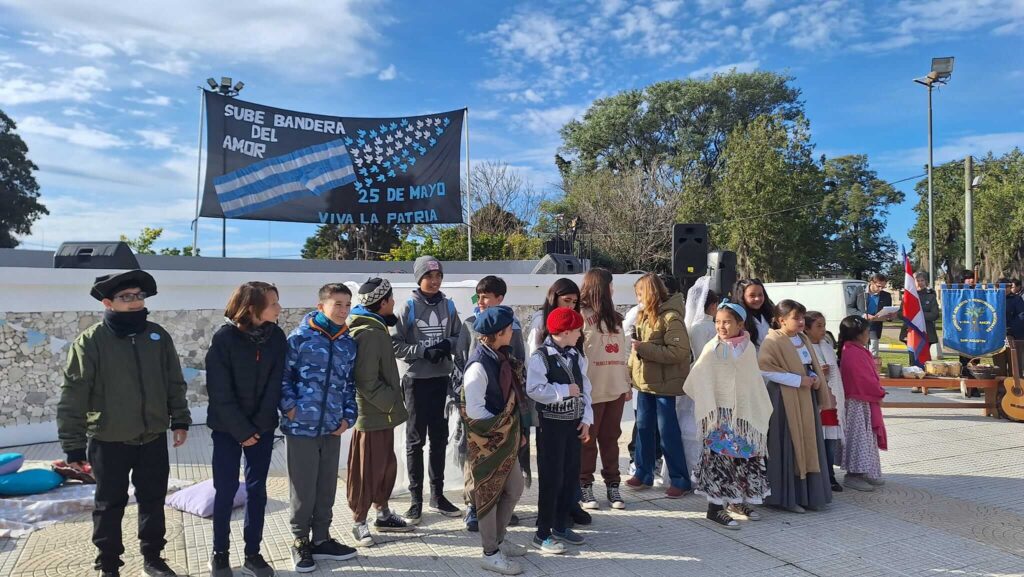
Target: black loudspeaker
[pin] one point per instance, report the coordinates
(558, 264)
(689, 250)
(722, 270)
(102, 255)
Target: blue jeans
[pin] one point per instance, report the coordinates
(227, 456)
(657, 414)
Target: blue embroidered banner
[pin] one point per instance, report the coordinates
(973, 319)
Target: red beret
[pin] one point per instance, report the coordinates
(563, 319)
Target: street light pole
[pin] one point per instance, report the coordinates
(969, 212)
(942, 69)
(931, 212)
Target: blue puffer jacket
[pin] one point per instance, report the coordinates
(318, 381)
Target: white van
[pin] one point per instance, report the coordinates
(834, 298)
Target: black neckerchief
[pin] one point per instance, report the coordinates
(126, 323)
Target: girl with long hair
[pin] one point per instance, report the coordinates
(865, 429)
(797, 463)
(831, 419)
(606, 349)
(659, 364)
(760, 309)
(562, 293)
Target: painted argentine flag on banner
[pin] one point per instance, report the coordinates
(309, 171)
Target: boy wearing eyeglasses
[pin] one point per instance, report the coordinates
(123, 389)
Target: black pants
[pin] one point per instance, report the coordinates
(558, 466)
(148, 468)
(831, 447)
(227, 456)
(425, 399)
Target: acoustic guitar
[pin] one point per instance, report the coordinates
(1013, 400)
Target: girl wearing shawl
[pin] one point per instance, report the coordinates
(865, 430)
(796, 448)
(831, 419)
(493, 397)
(732, 409)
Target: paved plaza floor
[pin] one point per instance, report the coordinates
(953, 505)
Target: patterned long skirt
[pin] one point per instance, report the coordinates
(860, 452)
(727, 481)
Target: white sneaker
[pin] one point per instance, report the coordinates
(510, 549)
(659, 466)
(587, 500)
(498, 563)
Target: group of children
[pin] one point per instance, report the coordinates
(375, 366)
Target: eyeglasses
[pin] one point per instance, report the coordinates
(131, 297)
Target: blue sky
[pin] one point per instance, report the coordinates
(105, 93)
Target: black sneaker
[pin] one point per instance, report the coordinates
(332, 550)
(302, 556)
(392, 523)
(836, 487)
(579, 516)
(157, 567)
(413, 515)
(514, 521)
(472, 523)
(442, 505)
(112, 573)
(256, 566)
(220, 565)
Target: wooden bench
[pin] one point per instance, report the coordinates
(989, 405)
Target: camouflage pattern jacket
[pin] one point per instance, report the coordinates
(318, 381)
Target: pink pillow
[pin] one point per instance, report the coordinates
(198, 499)
(11, 462)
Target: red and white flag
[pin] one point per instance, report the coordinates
(913, 317)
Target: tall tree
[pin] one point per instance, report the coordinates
(999, 215)
(19, 191)
(856, 206)
(771, 191)
(948, 203)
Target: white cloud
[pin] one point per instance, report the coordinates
(287, 37)
(78, 134)
(389, 73)
(96, 50)
(548, 120)
(757, 6)
(747, 66)
(537, 37)
(977, 145)
(156, 139)
(152, 100)
(31, 86)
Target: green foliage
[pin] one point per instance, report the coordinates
(143, 244)
(998, 217)
(451, 245)
(19, 191)
(769, 166)
(351, 242)
(856, 208)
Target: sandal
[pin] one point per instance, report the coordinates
(722, 518)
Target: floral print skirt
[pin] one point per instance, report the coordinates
(726, 480)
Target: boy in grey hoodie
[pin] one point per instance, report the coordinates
(426, 333)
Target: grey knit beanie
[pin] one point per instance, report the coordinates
(424, 265)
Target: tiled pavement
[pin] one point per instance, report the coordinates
(953, 505)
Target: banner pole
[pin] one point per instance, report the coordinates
(469, 191)
(199, 170)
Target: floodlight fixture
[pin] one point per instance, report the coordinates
(977, 181)
(942, 67)
(239, 86)
(213, 83)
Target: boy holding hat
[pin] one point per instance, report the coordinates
(123, 389)
(372, 466)
(426, 332)
(493, 403)
(556, 378)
